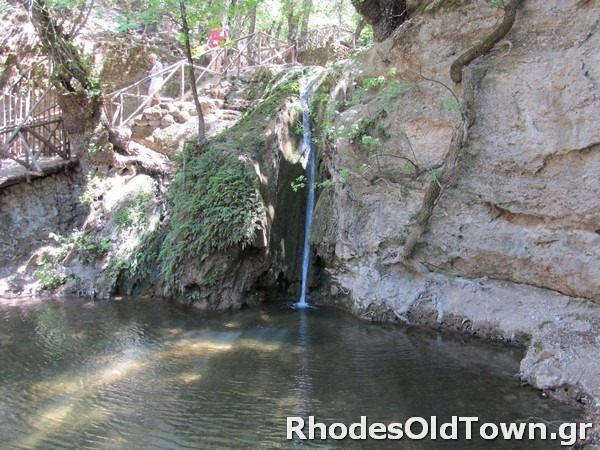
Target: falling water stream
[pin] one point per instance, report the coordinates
(308, 161)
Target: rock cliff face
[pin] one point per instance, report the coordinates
(29, 212)
(512, 249)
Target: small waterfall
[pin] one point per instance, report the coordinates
(308, 161)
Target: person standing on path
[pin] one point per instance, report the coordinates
(216, 39)
(157, 80)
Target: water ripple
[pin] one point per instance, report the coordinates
(119, 375)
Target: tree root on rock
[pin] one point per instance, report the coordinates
(510, 12)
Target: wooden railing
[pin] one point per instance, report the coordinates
(325, 36)
(123, 105)
(258, 49)
(32, 127)
(32, 124)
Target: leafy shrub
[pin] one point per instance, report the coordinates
(49, 276)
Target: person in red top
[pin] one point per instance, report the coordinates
(216, 39)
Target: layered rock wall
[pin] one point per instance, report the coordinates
(512, 250)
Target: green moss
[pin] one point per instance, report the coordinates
(273, 100)
(323, 110)
(214, 205)
(217, 203)
(144, 258)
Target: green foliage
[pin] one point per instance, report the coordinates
(366, 39)
(434, 174)
(393, 90)
(500, 3)
(142, 262)
(344, 174)
(127, 23)
(90, 248)
(369, 142)
(94, 186)
(94, 149)
(280, 89)
(322, 109)
(324, 184)
(361, 129)
(316, 101)
(145, 257)
(5, 7)
(390, 89)
(48, 275)
(219, 207)
(407, 168)
(300, 183)
(132, 214)
(212, 277)
(299, 129)
(450, 103)
(400, 239)
(87, 243)
(374, 82)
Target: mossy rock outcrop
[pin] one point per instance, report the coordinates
(235, 221)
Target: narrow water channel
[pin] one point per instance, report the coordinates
(142, 374)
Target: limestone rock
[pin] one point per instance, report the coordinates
(523, 207)
(167, 120)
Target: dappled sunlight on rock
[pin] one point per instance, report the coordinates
(60, 415)
(189, 377)
(88, 384)
(200, 346)
(253, 344)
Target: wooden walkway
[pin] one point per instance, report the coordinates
(123, 105)
(33, 141)
(12, 173)
(31, 131)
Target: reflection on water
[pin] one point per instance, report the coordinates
(143, 374)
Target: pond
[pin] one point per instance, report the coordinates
(143, 374)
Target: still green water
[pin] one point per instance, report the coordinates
(142, 374)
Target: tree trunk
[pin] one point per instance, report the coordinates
(306, 8)
(383, 15)
(251, 31)
(292, 20)
(188, 53)
(359, 27)
(79, 95)
(486, 45)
